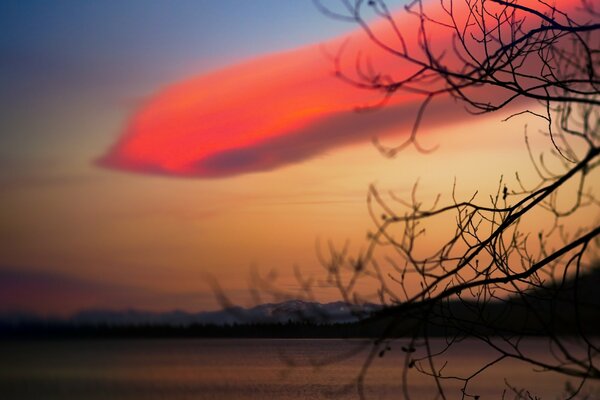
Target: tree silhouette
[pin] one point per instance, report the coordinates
(535, 60)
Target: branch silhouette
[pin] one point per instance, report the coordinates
(503, 55)
(496, 278)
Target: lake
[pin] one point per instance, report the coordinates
(223, 369)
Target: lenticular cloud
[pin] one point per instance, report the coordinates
(269, 112)
(254, 116)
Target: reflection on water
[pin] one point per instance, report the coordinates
(243, 369)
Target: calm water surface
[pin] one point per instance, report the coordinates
(246, 369)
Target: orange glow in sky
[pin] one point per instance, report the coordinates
(119, 240)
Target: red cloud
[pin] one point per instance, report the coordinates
(268, 112)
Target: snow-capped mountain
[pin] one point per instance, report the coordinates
(292, 310)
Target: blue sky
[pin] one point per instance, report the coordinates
(78, 44)
(98, 58)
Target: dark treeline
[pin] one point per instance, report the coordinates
(560, 310)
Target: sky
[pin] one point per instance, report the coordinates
(95, 217)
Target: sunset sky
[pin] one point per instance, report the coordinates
(147, 147)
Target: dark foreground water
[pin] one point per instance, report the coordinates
(249, 369)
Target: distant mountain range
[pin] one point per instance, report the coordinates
(565, 309)
(271, 313)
